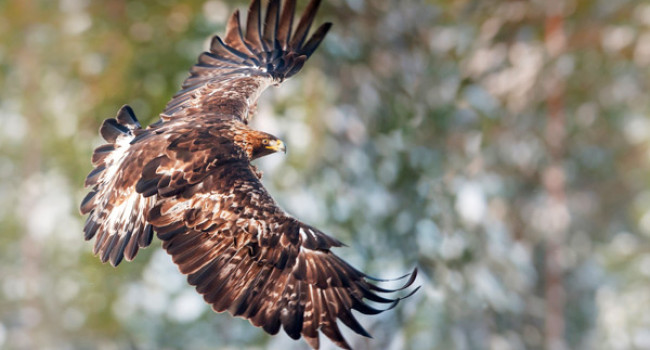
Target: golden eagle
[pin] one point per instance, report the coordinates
(188, 177)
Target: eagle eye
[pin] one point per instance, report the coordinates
(265, 141)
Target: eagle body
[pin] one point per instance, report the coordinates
(188, 178)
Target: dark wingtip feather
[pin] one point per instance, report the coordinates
(94, 176)
(132, 248)
(146, 237)
(101, 152)
(117, 254)
(126, 117)
(272, 327)
(353, 324)
(87, 203)
(147, 187)
(297, 66)
(90, 228)
(334, 333)
(108, 247)
(304, 24)
(412, 274)
(314, 342)
(410, 294)
(315, 40)
(111, 130)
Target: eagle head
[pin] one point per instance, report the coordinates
(265, 144)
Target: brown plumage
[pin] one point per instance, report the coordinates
(188, 177)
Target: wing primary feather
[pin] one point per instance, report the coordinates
(99, 242)
(234, 36)
(101, 152)
(88, 203)
(111, 130)
(243, 304)
(108, 247)
(253, 27)
(271, 24)
(245, 283)
(193, 260)
(311, 324)
(359, 305)
(368, 294)
(283, 32)
(304, 24)
(330, 328)
(217, 46)
(292, 315)
(296, 66)
(410, 274)
(118, 252)
(406, 285)
(168, 234)
(94, 176)
(346, 316)
(411, 293)
(126, 117)
(147, 187)
(132, 247)
(215, 291)
(90, 227)
(315, 40)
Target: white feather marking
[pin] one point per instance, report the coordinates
(303, 235)
(127, 215)
(180, 206)
(113, 162)
(124, 140)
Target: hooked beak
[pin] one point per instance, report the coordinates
(277, 146)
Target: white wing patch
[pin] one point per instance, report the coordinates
(116, 211)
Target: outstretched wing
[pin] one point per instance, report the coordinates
(247, 256)
(116, 212)
(228, 79)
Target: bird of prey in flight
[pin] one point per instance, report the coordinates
(188, 177)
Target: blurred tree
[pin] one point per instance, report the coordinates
(499, 145)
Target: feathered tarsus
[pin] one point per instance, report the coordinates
(188, 177)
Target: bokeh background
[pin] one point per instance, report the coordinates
(501, 146)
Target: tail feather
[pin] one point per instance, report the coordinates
(115, 210)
